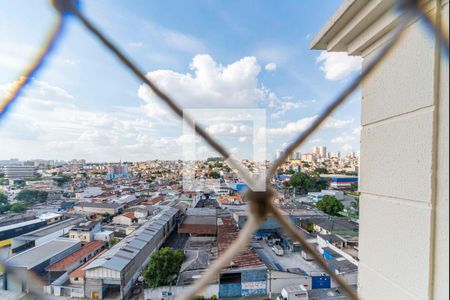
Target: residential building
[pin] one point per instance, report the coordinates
(126, 218)
(404, 207)
(19, 172)
(85, 232)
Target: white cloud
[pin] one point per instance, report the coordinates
(229, 129)
(270, 67)
(343, 139)
(243, 139)
(347, 148)
(357, 131)
(39, 89)
(211, 85)
(45, 121)
(292, 127)
(338, 123)
(338, 65)
(285, 106)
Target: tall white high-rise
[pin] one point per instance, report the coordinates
(321, 151)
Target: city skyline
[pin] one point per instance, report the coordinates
(71, 109)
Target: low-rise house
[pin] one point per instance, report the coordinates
(127, 218)
(143, 211)
(85, 232)
(104, 235)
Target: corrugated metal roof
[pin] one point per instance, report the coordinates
(34, 256)
(34, 235)
(120, 255)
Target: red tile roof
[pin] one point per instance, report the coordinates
(78, 255)
(226, 234)
(129, 215)
(79, 272)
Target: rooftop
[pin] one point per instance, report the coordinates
(349, 20)
(120, 255)
(227, 232)
(39, 254)
(89, 225)
(34, 235)
(99, 204)
(68, 261)
(17, 225)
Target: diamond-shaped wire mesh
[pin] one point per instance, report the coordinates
(261, 203)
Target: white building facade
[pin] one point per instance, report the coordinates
(404, 212)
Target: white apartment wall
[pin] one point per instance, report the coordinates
(404, 217)
(441, 217)
(404, 187)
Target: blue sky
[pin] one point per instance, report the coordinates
(206, 54)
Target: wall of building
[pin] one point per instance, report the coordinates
(157, 293)
(404, 175)
(253, 282)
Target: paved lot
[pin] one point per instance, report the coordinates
(289, 260)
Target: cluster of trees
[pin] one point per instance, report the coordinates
(62, 179)
(321, 170)
(330, 205)
(24, 199)
(304, 183)
(214, 174)
(163, 267)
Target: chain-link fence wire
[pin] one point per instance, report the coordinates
(261, 203)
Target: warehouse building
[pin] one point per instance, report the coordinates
(116, 270)
(42, 235)
(33, 262)
(11, 231)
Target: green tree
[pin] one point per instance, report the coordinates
(214, 174)
(354, 187)
(32, 196)
(18, 207)
(3, 198)
(321, 170)
(62, 179)
(164, 265)
(330, 205)
(304, 183)
(4, 208)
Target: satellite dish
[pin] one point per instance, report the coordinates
(141, 278)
